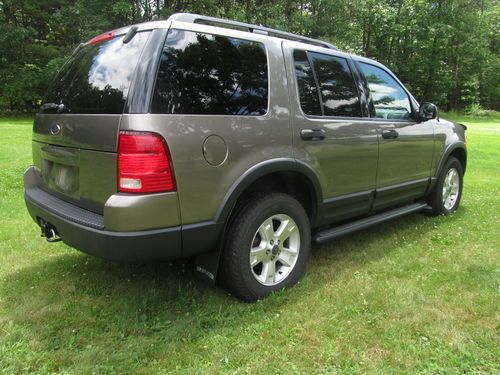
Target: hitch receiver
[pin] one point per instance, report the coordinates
(49, 231)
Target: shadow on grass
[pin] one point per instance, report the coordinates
(73, 299)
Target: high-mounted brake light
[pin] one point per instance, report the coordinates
(144, 164)
(102, 38)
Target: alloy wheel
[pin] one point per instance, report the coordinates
(274, 250)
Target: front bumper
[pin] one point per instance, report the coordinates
(84, 230)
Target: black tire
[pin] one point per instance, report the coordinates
(435, 199)
(237, 275)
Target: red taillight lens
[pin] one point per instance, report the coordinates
(144, 164)
(102, 38)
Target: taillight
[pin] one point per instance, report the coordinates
(102, 38)
(144, 164)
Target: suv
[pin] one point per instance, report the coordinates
(234, 143)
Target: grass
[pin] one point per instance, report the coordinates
(416, 295)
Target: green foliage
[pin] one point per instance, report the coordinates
(445, 51)
(476, 110)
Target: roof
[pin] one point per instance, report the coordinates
(235, 25)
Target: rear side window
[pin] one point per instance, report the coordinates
(308, 91)
(96, 79)
(389, 99)
(338, 89)
(209, 74)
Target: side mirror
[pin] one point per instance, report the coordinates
(427, 111)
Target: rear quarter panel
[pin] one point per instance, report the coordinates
(249, 140)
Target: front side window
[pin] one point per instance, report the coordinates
(389, 99)
(337, 87)
(209, 74)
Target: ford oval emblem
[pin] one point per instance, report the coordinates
(55, 129)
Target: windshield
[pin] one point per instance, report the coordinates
(96, 78)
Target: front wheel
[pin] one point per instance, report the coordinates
(267, 246)
(445, 197)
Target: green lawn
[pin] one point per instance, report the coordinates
(416, 295)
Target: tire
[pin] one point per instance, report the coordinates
(440, 199)
(251, 239)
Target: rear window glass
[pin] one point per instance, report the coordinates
(209, 74)
(96, 79)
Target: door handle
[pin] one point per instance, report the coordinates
(312, 134)
(389, 134)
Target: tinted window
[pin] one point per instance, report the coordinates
(210, 74)
(96, 78)
(337, 86)
(390, 101)
(308, 92)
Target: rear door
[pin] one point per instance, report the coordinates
(405, 145)
(330, 133)
(75, 132)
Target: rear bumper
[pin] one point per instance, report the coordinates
(85, 230)
(81, 229)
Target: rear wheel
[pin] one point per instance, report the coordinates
(446, 195)
(267, 246)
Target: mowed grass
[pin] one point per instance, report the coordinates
(416, 295)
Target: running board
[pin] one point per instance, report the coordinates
(331, 233)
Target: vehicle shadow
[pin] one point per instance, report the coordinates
(73, 295)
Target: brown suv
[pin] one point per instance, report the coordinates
(233, 143)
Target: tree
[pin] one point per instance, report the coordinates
(446, 51)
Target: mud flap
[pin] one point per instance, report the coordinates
(207, 265)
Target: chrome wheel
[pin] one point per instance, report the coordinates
(451, 187)
(275, 249)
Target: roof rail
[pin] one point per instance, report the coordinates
(219, 22)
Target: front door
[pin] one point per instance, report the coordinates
(329, 131)
(405, 145)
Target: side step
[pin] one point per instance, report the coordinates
(331, 233)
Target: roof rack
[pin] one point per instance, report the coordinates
(219, 22)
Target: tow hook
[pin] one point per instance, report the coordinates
(49, 232)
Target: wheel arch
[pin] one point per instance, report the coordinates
(289, 173)
(457, 150)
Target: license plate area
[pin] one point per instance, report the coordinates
(60, 169)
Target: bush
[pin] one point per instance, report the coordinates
(476, 110)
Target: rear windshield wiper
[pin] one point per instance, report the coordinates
(59, 108)
(130, 34)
